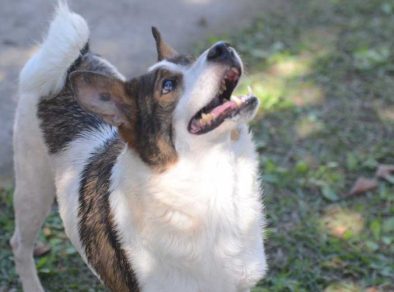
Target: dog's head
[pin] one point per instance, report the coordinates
(179, 105)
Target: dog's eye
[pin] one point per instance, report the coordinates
(168, 86)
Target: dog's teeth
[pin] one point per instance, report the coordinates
(210, 118)
(237, 100)
(206, 119)
(222, 87)
(234, 70)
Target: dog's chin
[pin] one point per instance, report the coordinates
(248, 113)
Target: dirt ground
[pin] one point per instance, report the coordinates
(120, 31)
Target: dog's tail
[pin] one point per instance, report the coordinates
(46, 72)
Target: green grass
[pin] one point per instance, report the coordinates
(324, 72)
(60, 270)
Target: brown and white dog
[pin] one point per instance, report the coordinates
(156, 177)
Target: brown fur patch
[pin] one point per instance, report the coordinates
(97, 231)
(150, 131)
(164, 50)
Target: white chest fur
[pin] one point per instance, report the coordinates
(196, 227)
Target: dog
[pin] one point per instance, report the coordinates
(156, 177)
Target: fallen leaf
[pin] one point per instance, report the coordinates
(363, 185)
(339, 231)
(385, 171)
(41, 249)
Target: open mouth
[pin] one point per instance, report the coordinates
(223, 106)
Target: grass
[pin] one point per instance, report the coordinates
(324, 72)
(60, 270)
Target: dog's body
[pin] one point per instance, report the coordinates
(149, 204)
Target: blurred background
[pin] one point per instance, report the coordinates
(324, 73)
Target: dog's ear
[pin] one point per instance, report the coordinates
(102, 95)
(164, 50)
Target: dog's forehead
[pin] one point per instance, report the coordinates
(167, 65)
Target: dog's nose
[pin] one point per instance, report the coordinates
(220, 51)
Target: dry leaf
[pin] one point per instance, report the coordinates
(384, 171)
(41, 249)
(363, 185)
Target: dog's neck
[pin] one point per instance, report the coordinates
(196, 147)
(196, 157)
(180, 199)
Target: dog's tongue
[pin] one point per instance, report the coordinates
(195, 127)
(224, 108)
(217, 112)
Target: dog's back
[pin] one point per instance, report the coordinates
(143, 213)
(47, 122)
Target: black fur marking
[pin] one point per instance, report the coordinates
(78, 61)
(96, 228)
(62, 118)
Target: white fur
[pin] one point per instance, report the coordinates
(35, 188)
(45, 73)
(196, 227)
(68, 167)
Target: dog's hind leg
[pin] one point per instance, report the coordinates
(33, 198)
(44, 75)
(34, 192)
